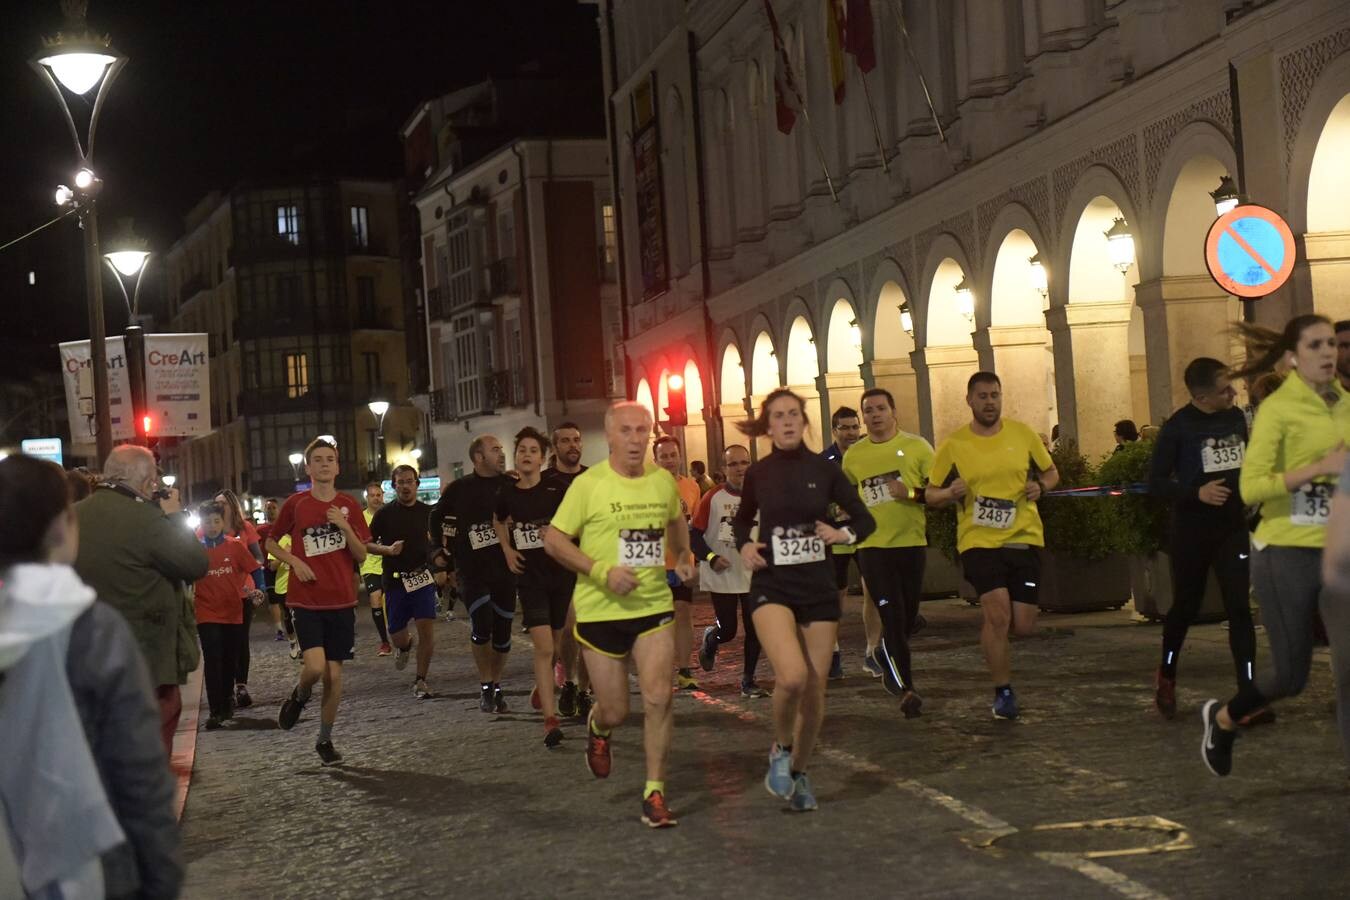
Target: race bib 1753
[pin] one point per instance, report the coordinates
(322, 539)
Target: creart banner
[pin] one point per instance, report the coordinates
(177, 387)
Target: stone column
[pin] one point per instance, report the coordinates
(949, 368)
(811, 394)
(1020, 360)
(993, 55)
(1092, 369)
(839, 389)
(898, 377)
(1327, 274)
(1185, 316)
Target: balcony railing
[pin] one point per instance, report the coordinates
(442, 405)
(501, 278)
(504, 389)
(438, 304)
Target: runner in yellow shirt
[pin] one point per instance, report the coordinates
(890, 469)
(372, 569)
(625, 514)
(666, 451)
(995, 470)
(283, 581)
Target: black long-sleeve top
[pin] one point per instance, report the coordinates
(790, 490)
(1190, 443)
(461, 521)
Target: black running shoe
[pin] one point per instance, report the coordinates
(214, 722)
(290, 711)
(1216, 747)
(485, 699)
(499, 701)
(567, 700)
(327, 753)
(707, 649)
(890, 676)
(911, 705)
(241, 698)
(584, 703)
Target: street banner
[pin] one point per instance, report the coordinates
(178, 384)
(177, 388)
(43, 448)
(74, 358)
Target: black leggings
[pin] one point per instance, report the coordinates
(490, 616)
(241, 654)
(220, 650)
(724, 606)
(1195, 548)
(894, 578)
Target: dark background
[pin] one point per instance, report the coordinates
(216, 92)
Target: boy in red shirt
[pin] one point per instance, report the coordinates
(328, 540)
(220, 617)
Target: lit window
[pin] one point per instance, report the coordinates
(297, 375)
(360, 227)
(288, 223)
(611, 234)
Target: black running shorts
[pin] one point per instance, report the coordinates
(332, 629)
(805, 611)
(545, 605)
(616, 637)
(1015, 569)
(373, 582)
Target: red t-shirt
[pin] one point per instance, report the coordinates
(218, 592)
(324, 547)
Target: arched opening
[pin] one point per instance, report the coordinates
(1187, 314)
(949, 354)
(1327, 241)
(892, 344)
(802, 370)
(696, 432)
(1023, 354)
(843, 357)
(763, 380)
(643, 395)
(1110, 371)
(732, 393)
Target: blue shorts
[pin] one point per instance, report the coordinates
(400, 607)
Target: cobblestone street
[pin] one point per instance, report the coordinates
(439, 800)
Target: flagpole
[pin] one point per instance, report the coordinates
(871, 111)
(923, 82)
(820, 152)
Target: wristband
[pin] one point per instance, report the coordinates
(710, 557)
(600, 572)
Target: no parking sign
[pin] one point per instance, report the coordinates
(1250, 251)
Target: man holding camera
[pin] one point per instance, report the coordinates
(137, 552)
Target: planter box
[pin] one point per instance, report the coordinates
(1151, 584)
(1070, 584)
(941, 576)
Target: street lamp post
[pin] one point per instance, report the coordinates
(80, 61)
(296, 458)
(378, 408)
(129, 261)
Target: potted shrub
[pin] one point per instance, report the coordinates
(1141, 525)
(942, 567)
(1082, 568)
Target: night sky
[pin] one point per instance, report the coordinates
(216, 92)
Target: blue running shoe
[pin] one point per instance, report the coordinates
(836, 667)
(803, 799)
(870, 664)
(779, 781)
(1005, 704)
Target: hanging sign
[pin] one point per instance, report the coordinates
(1250, 251)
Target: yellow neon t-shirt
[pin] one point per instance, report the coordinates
(621, 521)
(871, 466)
(373, 564)
(690, 495)
(283, 570)
(995, 510)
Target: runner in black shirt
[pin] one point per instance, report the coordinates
(524, 511)
(398, 532)
(463, 520)
(575, 697)
(796, 605)
(1196, 463)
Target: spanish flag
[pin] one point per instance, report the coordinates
(834, 33)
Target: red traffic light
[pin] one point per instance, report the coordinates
(677, 412)
(147, 423)
(674, 382)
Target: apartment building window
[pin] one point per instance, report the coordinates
(288, 296)
(506, 234)
(460, 282)
(288, 223)
(609, 254)
(360, 227)
(372, 366)
(297, 375)
(365, 298)
(468, 382)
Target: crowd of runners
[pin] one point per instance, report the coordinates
(602, 562)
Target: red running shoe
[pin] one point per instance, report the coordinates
(598, 758)
(553, 734)
(655, 814)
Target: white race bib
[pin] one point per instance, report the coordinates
(991, 512)
(528, 537)
(642, 548)
(323, 539)
(797, 546)
(876, 489)
(725, 533)
(415, 581)
(1310, 505)
(1222, 459)
(482, 536)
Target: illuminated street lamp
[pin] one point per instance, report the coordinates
(1040, 279)
(169, 480)
(1226, 197)
(378, 408)
(76, 62)
(1120, 245)
(296, 458)
(906, 319)
(854, 333)
(416, 454)
(965, 299)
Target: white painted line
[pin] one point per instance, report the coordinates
(1108, 878)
